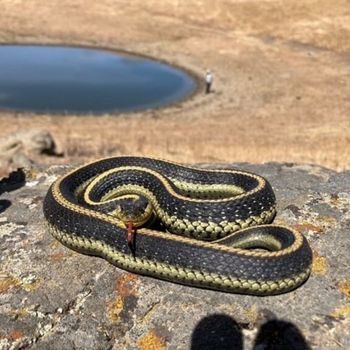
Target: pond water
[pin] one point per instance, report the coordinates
(53, 79)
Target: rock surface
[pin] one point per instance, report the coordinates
(54, 298)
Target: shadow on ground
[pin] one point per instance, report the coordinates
(220, 331)
(14, 181)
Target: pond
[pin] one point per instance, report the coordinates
(56, 79)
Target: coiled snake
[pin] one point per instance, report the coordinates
(211, 225)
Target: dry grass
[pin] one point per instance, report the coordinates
(282, 77)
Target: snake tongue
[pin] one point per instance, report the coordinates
(131, 237)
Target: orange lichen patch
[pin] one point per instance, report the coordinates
(15, 335)
(126, 284)
(151, 341)
(319, 264)
(344, 287)
(8, 282)
(115, 308)
(57, 256)
(307, 227)
(343, 311)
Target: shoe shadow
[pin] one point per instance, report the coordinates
(14, 181)
(220, 331)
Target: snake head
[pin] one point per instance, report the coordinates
(133, 209)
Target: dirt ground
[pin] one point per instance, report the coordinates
(282, 77)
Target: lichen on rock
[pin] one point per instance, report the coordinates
(54, 298)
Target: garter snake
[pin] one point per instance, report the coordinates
(212, 225)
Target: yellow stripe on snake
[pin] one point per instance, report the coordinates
(199, 227)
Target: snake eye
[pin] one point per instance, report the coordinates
(140, 204)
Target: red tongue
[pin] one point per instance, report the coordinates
(131, 236)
